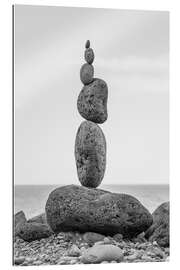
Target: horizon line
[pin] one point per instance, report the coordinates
(123, 184)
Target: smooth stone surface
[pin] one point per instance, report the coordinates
(87, 45)
(86, 74)
(33, 231)
(19, 260)
(38, 219)
(90, 154)
(77, 208)
(19, 219)
(100, 253)
(91, 237)
(89, 55)
(92, 101)
(159, 231)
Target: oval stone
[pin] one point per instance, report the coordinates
(100, 253)
(78, 208)
(90, 154)
(87, 45)
(87, 74)
(92, 101)
(89, 55)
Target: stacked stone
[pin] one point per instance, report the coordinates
(87, 208)
(90, 144)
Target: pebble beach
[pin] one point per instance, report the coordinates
(68, 248)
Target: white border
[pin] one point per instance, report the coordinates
(6, 128)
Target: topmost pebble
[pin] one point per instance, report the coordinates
(87, 45)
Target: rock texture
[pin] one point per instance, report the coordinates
(100, 253)
(86, 74)
(159, 231)
(89, 55)
(19, 219)
(75, 208)
(33, 231)
(91, 237)
(92, 101)
(38, 219)
(90, 154)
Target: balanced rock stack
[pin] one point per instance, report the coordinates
(90, 145)
(86, 208)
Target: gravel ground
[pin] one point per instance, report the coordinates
(67, 248)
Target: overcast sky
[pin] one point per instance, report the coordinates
(131, 55)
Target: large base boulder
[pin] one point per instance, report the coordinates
(33, 231)
(159, 231)
(76, 208)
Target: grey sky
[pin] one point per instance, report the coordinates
(131, 55)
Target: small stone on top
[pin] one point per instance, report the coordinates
(87, 45)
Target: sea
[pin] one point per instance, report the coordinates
(32, 198)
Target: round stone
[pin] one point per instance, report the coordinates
(86, 74)
(89, 55)
(92, 101)
(90, 154)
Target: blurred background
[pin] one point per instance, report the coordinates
(131, 54)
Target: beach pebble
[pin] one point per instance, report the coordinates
(92, 237)
(107, 240)
(159, 252)
(74, 251)
(83, 249)
(90, 154)
(87, 45)
(19, 260)
(142, 246)
(89, 55)
(92, 101)
(37, 262)
(118, 237)
(146, 258)
(166, 250)
(29, 260)
(86, 74)
(73, 261)
(99, 243)
(167, 259)
(100, 253)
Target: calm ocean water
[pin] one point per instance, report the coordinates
(32, 199)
